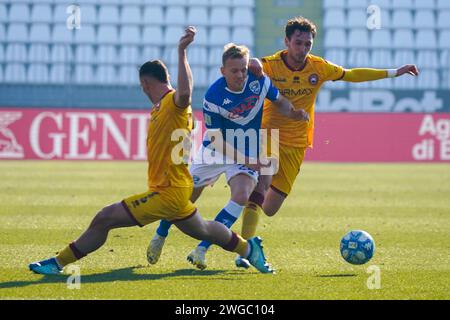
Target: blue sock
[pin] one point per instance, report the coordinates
(227, 216)
(163, 229)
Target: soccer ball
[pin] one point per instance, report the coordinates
(357, 247)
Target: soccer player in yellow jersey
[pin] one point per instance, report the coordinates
(299, 76)
(169, 182)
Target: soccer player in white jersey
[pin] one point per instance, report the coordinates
(234, 102)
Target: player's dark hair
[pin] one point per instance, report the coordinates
(302, 24)
(233, 51)
(155, 69)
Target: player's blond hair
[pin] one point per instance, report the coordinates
(233, 51)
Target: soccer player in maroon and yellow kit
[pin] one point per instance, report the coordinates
(299, 76)
(169, 181)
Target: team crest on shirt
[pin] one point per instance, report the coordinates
(255, 87)
(313, 79)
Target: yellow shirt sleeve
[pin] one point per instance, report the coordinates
(332, 72)
(364, 74)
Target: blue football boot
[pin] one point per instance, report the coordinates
(48, 267)
(256, 256)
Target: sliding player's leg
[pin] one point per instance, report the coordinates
(110, 217)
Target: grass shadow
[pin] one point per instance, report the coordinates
(124, 274)
(336, 275)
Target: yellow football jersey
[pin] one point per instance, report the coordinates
(165, 118)
(301, 88)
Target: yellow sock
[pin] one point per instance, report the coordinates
(66, 256)
(241, 247)
(250, 220)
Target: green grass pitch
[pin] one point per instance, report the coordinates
(405, 207)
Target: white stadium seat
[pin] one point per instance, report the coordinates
(130, 35)
(153, 35)
(220, 3)
(107, 34)
(214, 74)
(380, 39)
(85, 35)
(16, 52)
(61, 53)
(41, 13)
(402, 19)
(334, 4)
(242, 17)
(128, 75)
(202, 3)
(358, 38)
(382, 58)
(424, 19)
(420, 4)
(201, 37)
(335, 38)
(363, 4)
(84, 74)
(88, 14)
(200, 75)
(150, 53)
(429, 79)
(107, 14)
(242, 35)
(106, 75)
(443, 4)
(84, 53)
(444, 58)
(173, 35)
(359, 58)
(17, 32)
(175, 16)
(40, 33)
(153, 15)
(219, 36)
(382, 84)
(428, 59)
(220, 16)
(170, 55)
(402, 57)
(243, 3)
(383, 4)
(3, 16)
(337, 56)
(215, 56)
(402, 4)
(19, 12)
(405, 82)
(198, 56)
(37, 73)
(426, 39)
(444, 39)
(15, 73)
(404, 38)
(198, 16)
(59, 73)
(38, 53)
(107, 54)
(335, 18)
(170, 3)
(130, 15)
(61, 34)
(129, 55)
(444, 19)
(357, 18)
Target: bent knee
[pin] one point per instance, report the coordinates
(102, 219)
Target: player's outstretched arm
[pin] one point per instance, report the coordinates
(367, 74)
(287, 109)
(183, 94)
(255, 66)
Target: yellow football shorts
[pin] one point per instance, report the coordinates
(289, 162)
(171, 203)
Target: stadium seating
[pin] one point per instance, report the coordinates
(115, 37)
(412, 31)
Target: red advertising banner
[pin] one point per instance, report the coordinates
(67, 134)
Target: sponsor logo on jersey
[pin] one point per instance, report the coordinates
(279, 79)
(246, 105)
(296, 92)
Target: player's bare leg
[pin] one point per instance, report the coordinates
(111, 217)
(156, 244)
(273, 202)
